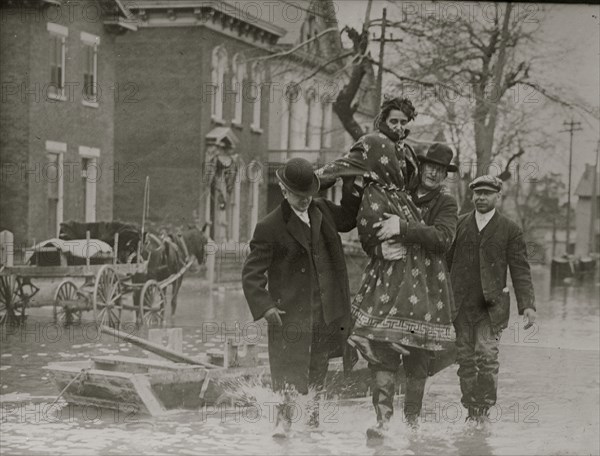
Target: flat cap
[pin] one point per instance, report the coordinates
(486, 182)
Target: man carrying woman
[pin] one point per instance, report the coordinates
(403, 304)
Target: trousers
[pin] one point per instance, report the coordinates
(416, 367)
(477, 345)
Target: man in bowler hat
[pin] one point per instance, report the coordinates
(487, 244)
(295, 277)
(440, 214)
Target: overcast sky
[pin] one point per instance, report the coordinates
(570, 27)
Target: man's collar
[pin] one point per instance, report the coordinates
(487, 215)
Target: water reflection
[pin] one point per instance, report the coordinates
(548, 393)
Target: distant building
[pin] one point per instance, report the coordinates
(306, 79)
(584, 211)
(57, 110)
(198, 121)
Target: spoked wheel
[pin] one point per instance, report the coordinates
(106, 298)
(9, 299)
(152, 305)
(64, 312)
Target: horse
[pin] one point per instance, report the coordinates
(168, 253)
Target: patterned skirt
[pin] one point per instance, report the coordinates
(407, 301)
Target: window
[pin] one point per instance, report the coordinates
(254, 176)
(326, 131)
(219, 66)
(257, 81)
(239, 73)
(55, 189)
(58, 38)
(312, 139)
(292, 95)
(310, 112)
(89, 178)
(90, 68)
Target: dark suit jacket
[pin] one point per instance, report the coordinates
(502, 247)
(279, 271)
(440, 214)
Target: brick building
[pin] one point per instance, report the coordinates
(198, 122)
(57, 113)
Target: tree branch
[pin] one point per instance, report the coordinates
(295, 48)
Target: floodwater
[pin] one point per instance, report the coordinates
(548, 396)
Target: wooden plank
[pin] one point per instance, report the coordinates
(174, 339)
(145, 362)
(141, 383)
(157, 349)
(70, 271)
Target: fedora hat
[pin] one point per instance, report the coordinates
(440, 154)
(298, 176)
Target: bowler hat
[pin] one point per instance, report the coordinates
(486, 182)
(440, 154)
(297, 175)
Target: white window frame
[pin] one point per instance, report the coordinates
(254, 178)
(257, 81)
(239, 73)
(286, 112)
(219, 66)
(93, 41)
(91, 186)
(58, 148)
(61, 32)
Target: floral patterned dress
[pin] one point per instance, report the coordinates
(407, 301)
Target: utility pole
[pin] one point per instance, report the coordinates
(594, 208)
(572, 128)
(382, 40)
(381, 53)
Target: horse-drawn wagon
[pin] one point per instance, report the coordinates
(101, 267)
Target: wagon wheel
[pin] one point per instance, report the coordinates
(64, 314)
(152, 305)
(9, 300)
(106, 298)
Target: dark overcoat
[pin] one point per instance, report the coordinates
(502, 247)
(440, 213)
(279, 271)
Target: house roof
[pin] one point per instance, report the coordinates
(586, 183)
(251, 13)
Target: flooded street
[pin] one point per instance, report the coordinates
(548, 396)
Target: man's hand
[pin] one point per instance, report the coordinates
(529, 316)
(393, 251)
(388, 227)
(272, 316)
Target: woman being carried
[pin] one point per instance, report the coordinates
(401, 303)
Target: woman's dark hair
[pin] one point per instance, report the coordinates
(399, 103)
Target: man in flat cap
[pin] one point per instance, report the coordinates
(296, 278)
(487, 244)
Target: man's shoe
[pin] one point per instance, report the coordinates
(283, 423)
(377, 432)
(313, 417)
(363, 345)
(484, 417)
(412, 421)
(474, 414)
